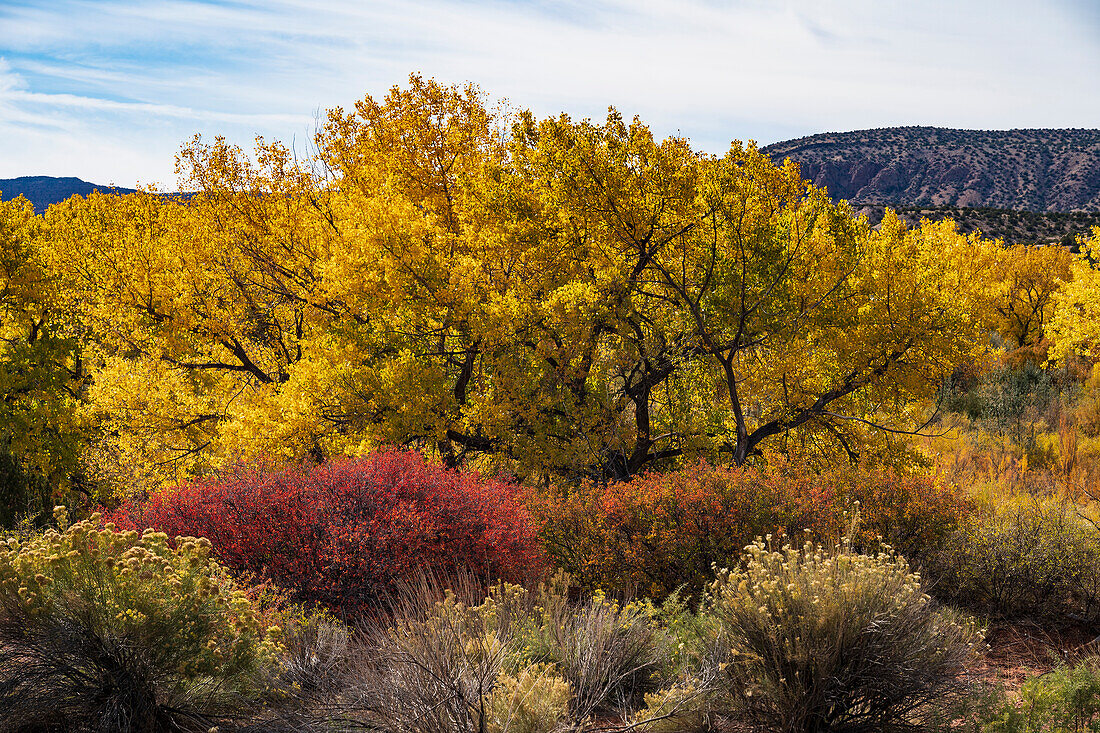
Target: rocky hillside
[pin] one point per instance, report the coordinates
(1029, 170)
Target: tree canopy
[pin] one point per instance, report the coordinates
(551, 297)
(42, 376)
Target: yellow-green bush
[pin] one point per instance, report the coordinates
(679, 708)
(121, 631)
(1065, 700)
(533, 700)
(823, 640)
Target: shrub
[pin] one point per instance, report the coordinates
(611, 654)
(660, 531)
(534, 700)
(449, 663)
(317, 649)
(1023, 558)
(912, 513)
(1064, 700)
(345, 533)
(119, 631)
(514, 659)
(829, 641)
(680, 708)
(1010, 392)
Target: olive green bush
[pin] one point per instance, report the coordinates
(1024, 558)
(120, 631)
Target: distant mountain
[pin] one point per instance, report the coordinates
(1021, 185)
(1024, 170)
(45, 190)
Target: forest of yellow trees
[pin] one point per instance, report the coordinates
(552, 298)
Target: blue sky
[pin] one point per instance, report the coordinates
(107, 90)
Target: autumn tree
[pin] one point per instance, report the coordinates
(185, 333)
(1026, 281)
(557, 298)
(776, 310)
(41, 373)
(1075, 324)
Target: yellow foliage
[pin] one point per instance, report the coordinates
(534, 700)
(1075, 325)
(1023, 293)
(564, 298)
(41, 373)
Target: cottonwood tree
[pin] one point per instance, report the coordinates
(558, 298)
(1075, 325)
(41, 372)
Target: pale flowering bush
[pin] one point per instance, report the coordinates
(823, 639)
(124, 631)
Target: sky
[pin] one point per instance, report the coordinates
(108, 90)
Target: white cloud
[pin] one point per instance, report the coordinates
(122, 82)
(136, 109)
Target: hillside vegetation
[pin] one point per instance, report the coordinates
(42, 191)
(1011, 226)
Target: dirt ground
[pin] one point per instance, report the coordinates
(1020, 651)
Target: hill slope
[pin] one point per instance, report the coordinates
(985, 179)
(45, 190)
(1029, 170)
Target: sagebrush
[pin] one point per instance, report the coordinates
(113, 631)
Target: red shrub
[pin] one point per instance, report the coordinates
(663, 530)
(343, 533)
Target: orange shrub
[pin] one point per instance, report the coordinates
(912, 513)
(661, 531)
